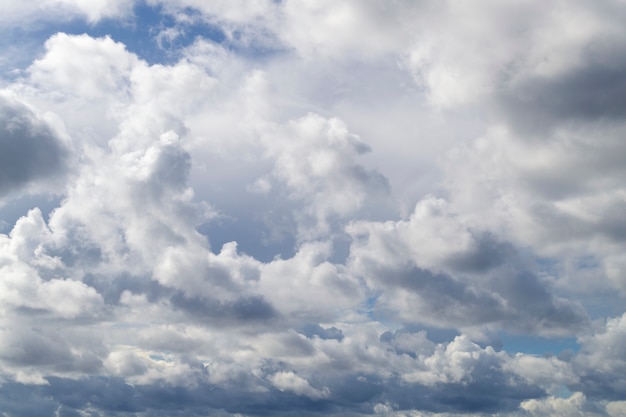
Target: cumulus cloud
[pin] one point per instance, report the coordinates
(601, 360)
(434, 269)
(288, 381)
(320, 168)
(57, 70)
(313, 208)
(575, 405)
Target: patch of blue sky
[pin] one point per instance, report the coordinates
(159, 37)
(13, 209)
(563, 392)
(19, 45)
(369, 306)
(251, 237)
(150, 33)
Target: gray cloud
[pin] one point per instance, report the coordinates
(472, 279)
(591, 91)
(242, 310)
(313, 330)
(114, 397)
(487, 253)
(601, 362)
(30, 149)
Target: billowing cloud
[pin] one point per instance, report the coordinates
(434, 269)
(313, 208)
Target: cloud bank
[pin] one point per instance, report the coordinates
(312, 208)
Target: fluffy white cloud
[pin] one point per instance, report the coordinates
(572, 406)
(300, 286)
(270, 219)
(288, 381)
(102, 70)
(316, 159)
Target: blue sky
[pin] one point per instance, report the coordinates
(356, 208)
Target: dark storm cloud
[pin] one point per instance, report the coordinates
(30, 149)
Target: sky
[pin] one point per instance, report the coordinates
(407, 208)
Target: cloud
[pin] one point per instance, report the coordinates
(164, 383)
(315, 330)
(288, 381)
(601, 360)
(575, 405)
(321, 169)
(60, 10)
(22, 285)
(103, 70)
(299, 286)
(34, 155)
(286, 219)
(95, 10)
(434, 269)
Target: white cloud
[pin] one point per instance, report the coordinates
(327, 206)
(60, 10)
(572, 406)
(317, 160)
(23, 287)
(601, 361)
(101, 71)
(94, 10)
(288, 381)
(616, 408)
(300, 287)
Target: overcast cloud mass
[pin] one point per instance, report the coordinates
(312, 208)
